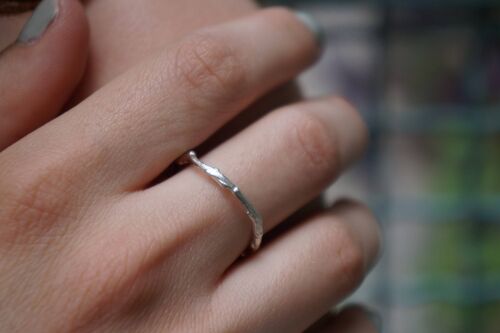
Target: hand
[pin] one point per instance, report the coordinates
(126, 32)
(88, 245)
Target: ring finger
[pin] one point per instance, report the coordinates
(281, 162)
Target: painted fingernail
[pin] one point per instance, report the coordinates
(42, 16)
(375, 318)
(315, 27)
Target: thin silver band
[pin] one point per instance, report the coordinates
(219, 178)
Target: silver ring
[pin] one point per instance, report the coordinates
(219, 178)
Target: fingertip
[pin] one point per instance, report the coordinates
(303, 28)
(364, 225)
(66, 17)
(72, 38)
(42, 68)
(315, 27)
(52, 45)
(74, 21)
(352, 128)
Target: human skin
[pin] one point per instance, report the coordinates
(129, 31)
(125, 32)
(349, 146)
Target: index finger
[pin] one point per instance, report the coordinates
(137, 125)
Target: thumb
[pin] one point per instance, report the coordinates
(41, 69)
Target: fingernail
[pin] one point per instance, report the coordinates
(375, 318)
(315, 27)
(42, 16)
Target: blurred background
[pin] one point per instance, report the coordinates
(426, 76)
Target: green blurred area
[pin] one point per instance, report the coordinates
(464, 319)
(426, 75)
(462, 248)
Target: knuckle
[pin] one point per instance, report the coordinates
(209, 66)
(105, 276)
(314, 143)
(34, 202)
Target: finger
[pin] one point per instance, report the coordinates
(280, 163)
(290, 283)
(353, 319)
(40, 70)
(179, 98)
